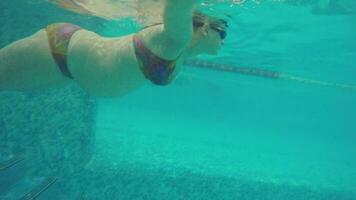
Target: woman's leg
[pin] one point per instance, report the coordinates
(28, 64)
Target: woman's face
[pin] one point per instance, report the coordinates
(215, 39)
(210, 40)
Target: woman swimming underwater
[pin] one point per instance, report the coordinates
(109, 67)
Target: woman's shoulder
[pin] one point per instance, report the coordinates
(161, 44)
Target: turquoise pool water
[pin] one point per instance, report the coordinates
(220, 135)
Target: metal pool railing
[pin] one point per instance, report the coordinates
(9, 166)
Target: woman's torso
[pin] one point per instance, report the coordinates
(103, 66)
(108, 66)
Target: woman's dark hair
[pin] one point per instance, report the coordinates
(200, 19)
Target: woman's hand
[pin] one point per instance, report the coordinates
(184, 2)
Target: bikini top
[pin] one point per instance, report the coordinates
(159, 71)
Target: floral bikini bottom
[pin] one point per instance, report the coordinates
(59, 36)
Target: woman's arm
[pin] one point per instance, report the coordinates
(177, 20)
(169, 40)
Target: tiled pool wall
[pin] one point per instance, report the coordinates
(133, 182)
(53, 131)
